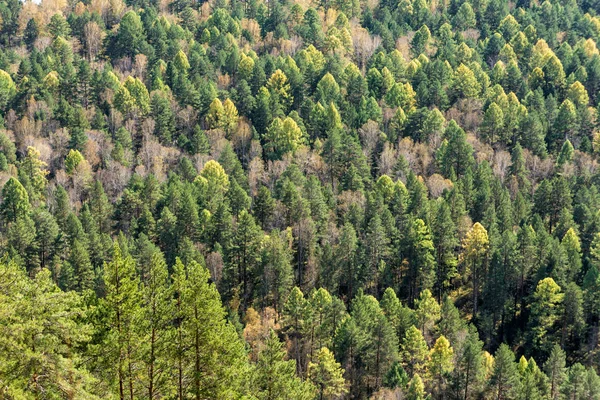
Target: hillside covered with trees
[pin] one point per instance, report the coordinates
(281, 200)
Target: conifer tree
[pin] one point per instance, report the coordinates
(544, 313)
(276, 377)
(414, 351)
(427, 310)
(556, 371)
(505, 381)
(214, 359)
(469, 372)
(416, 389)
(124, 306)
(327, 375)
(475, 253)
(440, 363)
(158, 329)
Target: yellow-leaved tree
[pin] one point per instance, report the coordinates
(475, 258)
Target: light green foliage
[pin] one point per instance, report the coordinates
(181, 61)
(416, 389)
(283, 136)
(427, 310)
(15, 201)
(72, 161)
(7, 88)
(464, 82)
(35, 172)
(40, 326)
(544, 312)
(138, 94)
(327, 375)
(414, 351)
(214, 177)
(475, 249)
(440, 363)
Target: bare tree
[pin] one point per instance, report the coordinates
(241, 139)
(437, 184)
(501, 163)
(214, 263)
(364, 45)
(139, 66)
(256, 172)
(93, 39)
(387, 159)
(370, 136)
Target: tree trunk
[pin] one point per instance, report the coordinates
(151, 372)
(197, 364)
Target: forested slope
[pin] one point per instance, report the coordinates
(333, 199)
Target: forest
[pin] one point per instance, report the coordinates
(298, 200)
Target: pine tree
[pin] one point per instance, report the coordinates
(534, 383)
(574, 387)
(400, 317)
(244, 255)
(276, 377)
(427, 310)
(346, 256)
(31, 33)
(320, 302)
(544, 313)
(572, 246)
(377, 244)
(327, 375)
(416, 389)
(474, 256)
(556, 371)
(505, 381)
(493, 123)
(566, 154)
(124, 305)
(33, 311)
(451, 325)
(79, 261)
(129, 39)
(34, 171)
(445, 242)
(421, 258)
(440, 364)
(158, 329)
(470, 371)
(455, 153)
(15, 201)
(163, 117)
(296, 318)
(377, 341)
(263, 207)
(277, 272)
(214, 357)
(47, 239)
(414, 351)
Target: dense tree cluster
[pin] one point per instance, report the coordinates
(296, 200)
